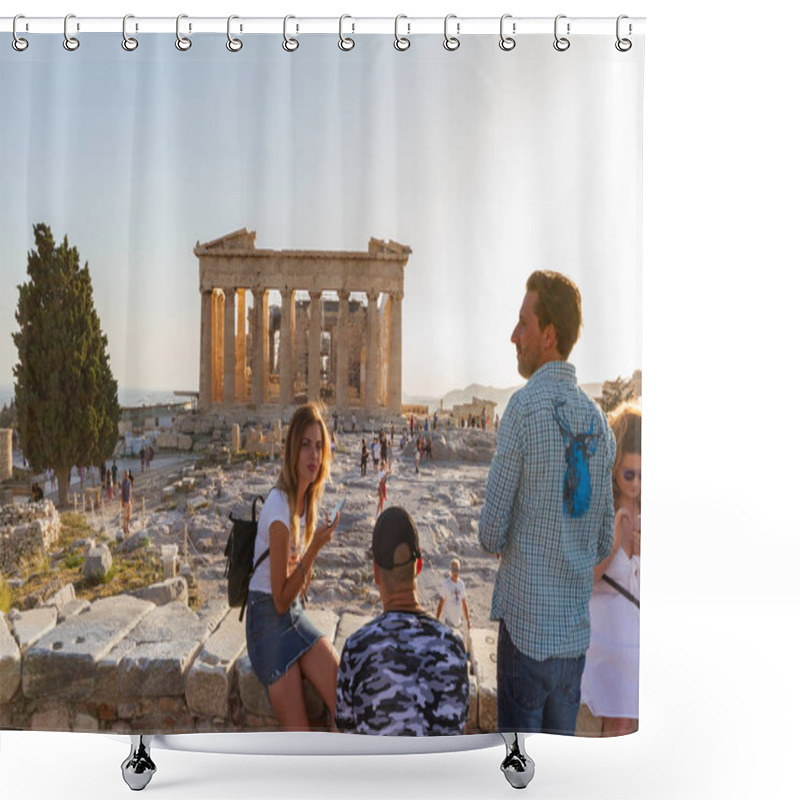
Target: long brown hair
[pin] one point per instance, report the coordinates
(626, 423)
(304, 416)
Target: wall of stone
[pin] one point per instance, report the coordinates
(124, 664)
(25, 531)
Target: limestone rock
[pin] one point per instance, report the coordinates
(31, 625)
(484, 663)
(64, 595)
(98, 563)
(63, 662)
(169, 591)
(73, 608)
(10, 662)
(209, 682)
(165, 642)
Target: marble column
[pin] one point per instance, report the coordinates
(396, 354)
(205, 350)
(371, 378)
(217, 344)
(342, 354)
(257, 333)
(241, 345)
(314, 334)
(229, 379)
(285, 349)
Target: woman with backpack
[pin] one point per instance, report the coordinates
(283, 644)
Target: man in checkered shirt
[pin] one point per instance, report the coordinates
(548, 515)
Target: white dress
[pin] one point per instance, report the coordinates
(610, 684)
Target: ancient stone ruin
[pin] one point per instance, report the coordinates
(314, 346)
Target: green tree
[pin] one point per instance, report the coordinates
(65, 394)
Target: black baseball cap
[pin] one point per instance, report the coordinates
(393, 528)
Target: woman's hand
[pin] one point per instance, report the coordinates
(324, 532)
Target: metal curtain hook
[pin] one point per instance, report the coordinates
(507, 42)
(181, 42)
(623, 45)
(401, 43)
(19, 44)
(70, 42)
(561, 43)
(345, 42)
(128, 42)
(234, 45)
(290, 45)
(451, 42)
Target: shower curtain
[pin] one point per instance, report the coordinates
(196, 241)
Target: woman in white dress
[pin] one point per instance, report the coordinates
(610, 685)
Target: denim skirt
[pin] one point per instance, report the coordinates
(275, 641)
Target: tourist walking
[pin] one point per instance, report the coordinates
(549, 515)
(453, 598)
(383, 474)
(126, 501)
(364, 457)
(284, 646)
(610, 685)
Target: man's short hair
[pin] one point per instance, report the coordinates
(558, 302)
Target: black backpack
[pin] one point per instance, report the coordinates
(239, 567)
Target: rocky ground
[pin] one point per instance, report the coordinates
(181, 502)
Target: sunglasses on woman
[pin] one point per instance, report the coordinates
(630, 474)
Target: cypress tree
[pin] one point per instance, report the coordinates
(65, 393)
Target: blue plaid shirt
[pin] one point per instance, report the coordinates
(549, 512)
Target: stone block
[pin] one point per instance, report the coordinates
(167, 493)
(184, 442)
(348, 624)
(236, 438)
(484, 664)
(253, 694)
(66, 594)
(29, 626)
(98, 563)
(472, 720)
(85, 723)
(196, 502)
(168, 591)
(165, 642)
(210, 679)
(52, 719)
(10, 662)
(327, 622)
(73, 608)
(63, 662)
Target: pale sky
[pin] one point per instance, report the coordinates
(487, 164)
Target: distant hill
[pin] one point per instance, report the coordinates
(499, 396)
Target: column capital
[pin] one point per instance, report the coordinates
(373, 295)
(315, 295)
(344, 294)
(396, 295)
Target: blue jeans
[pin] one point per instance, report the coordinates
(536, 696)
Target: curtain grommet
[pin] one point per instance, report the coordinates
(289, 44)
(71, 43)
(234, 45)
(183, 43)
(561, 43)
(623, 44)
(451, 43)
(18, 43)
(345, 42)
(401, 43)
(507, 43)
(129, 43)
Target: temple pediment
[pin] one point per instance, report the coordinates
(238, 240)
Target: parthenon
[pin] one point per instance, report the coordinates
(323, 342)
